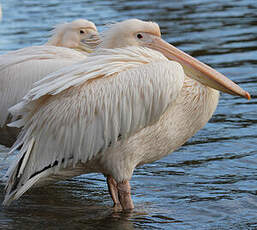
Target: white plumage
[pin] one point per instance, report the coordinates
(108, 107)
(112, 112)
(20, 69)
(73, 34)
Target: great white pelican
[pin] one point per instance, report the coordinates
(134, 101)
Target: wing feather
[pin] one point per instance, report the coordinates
(20, 69)
(79, 123)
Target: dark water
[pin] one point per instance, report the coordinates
(209, 183)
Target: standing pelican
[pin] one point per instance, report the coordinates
(20, 69)
(123, 106)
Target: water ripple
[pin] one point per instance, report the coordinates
(209, 183)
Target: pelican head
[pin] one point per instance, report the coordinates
(135, 32)
(79, 34)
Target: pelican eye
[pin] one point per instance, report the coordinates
(139, 36)
(81, 31)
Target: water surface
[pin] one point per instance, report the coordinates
(209, 183)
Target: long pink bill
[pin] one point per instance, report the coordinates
(199, 71)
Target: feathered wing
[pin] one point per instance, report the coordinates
(20, 69)
(80, 122)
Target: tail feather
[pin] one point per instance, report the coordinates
(16, 186)
(18, 192)
(15, 171)
(26, 157)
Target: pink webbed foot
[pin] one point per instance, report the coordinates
(124, 194)
(120, 194)
(112, 187)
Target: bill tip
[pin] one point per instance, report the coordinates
(247, 96)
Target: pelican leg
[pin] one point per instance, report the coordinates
(112, 187)
(125, 195)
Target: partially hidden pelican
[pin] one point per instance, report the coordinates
(79, 34)
(124, 106)
(21, 68)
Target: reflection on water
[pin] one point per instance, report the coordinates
(209, 183)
